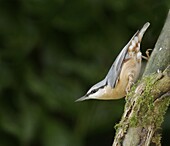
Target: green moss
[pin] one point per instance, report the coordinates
(145, 109)
(143, 105)
(133, 121)
(157, 139)
(162, 105)
(129, 96)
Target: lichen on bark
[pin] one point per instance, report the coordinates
(148, 100)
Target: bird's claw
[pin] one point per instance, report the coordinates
(147, 54)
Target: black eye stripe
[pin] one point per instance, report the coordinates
(95, 90)
(92, 92)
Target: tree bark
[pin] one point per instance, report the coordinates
(148, 101)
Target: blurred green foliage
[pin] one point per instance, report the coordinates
(51, 52)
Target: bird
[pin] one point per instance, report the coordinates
(123, 73)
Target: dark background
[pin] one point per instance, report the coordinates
(51, 52)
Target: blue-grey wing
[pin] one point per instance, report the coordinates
(114, 72)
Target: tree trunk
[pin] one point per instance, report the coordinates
(148, 101)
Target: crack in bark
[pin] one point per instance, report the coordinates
(146, 133)
(147, 104)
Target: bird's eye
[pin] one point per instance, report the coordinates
(94, 91)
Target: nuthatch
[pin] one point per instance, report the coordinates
(123, 72)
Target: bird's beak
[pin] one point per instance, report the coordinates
(82, 98)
